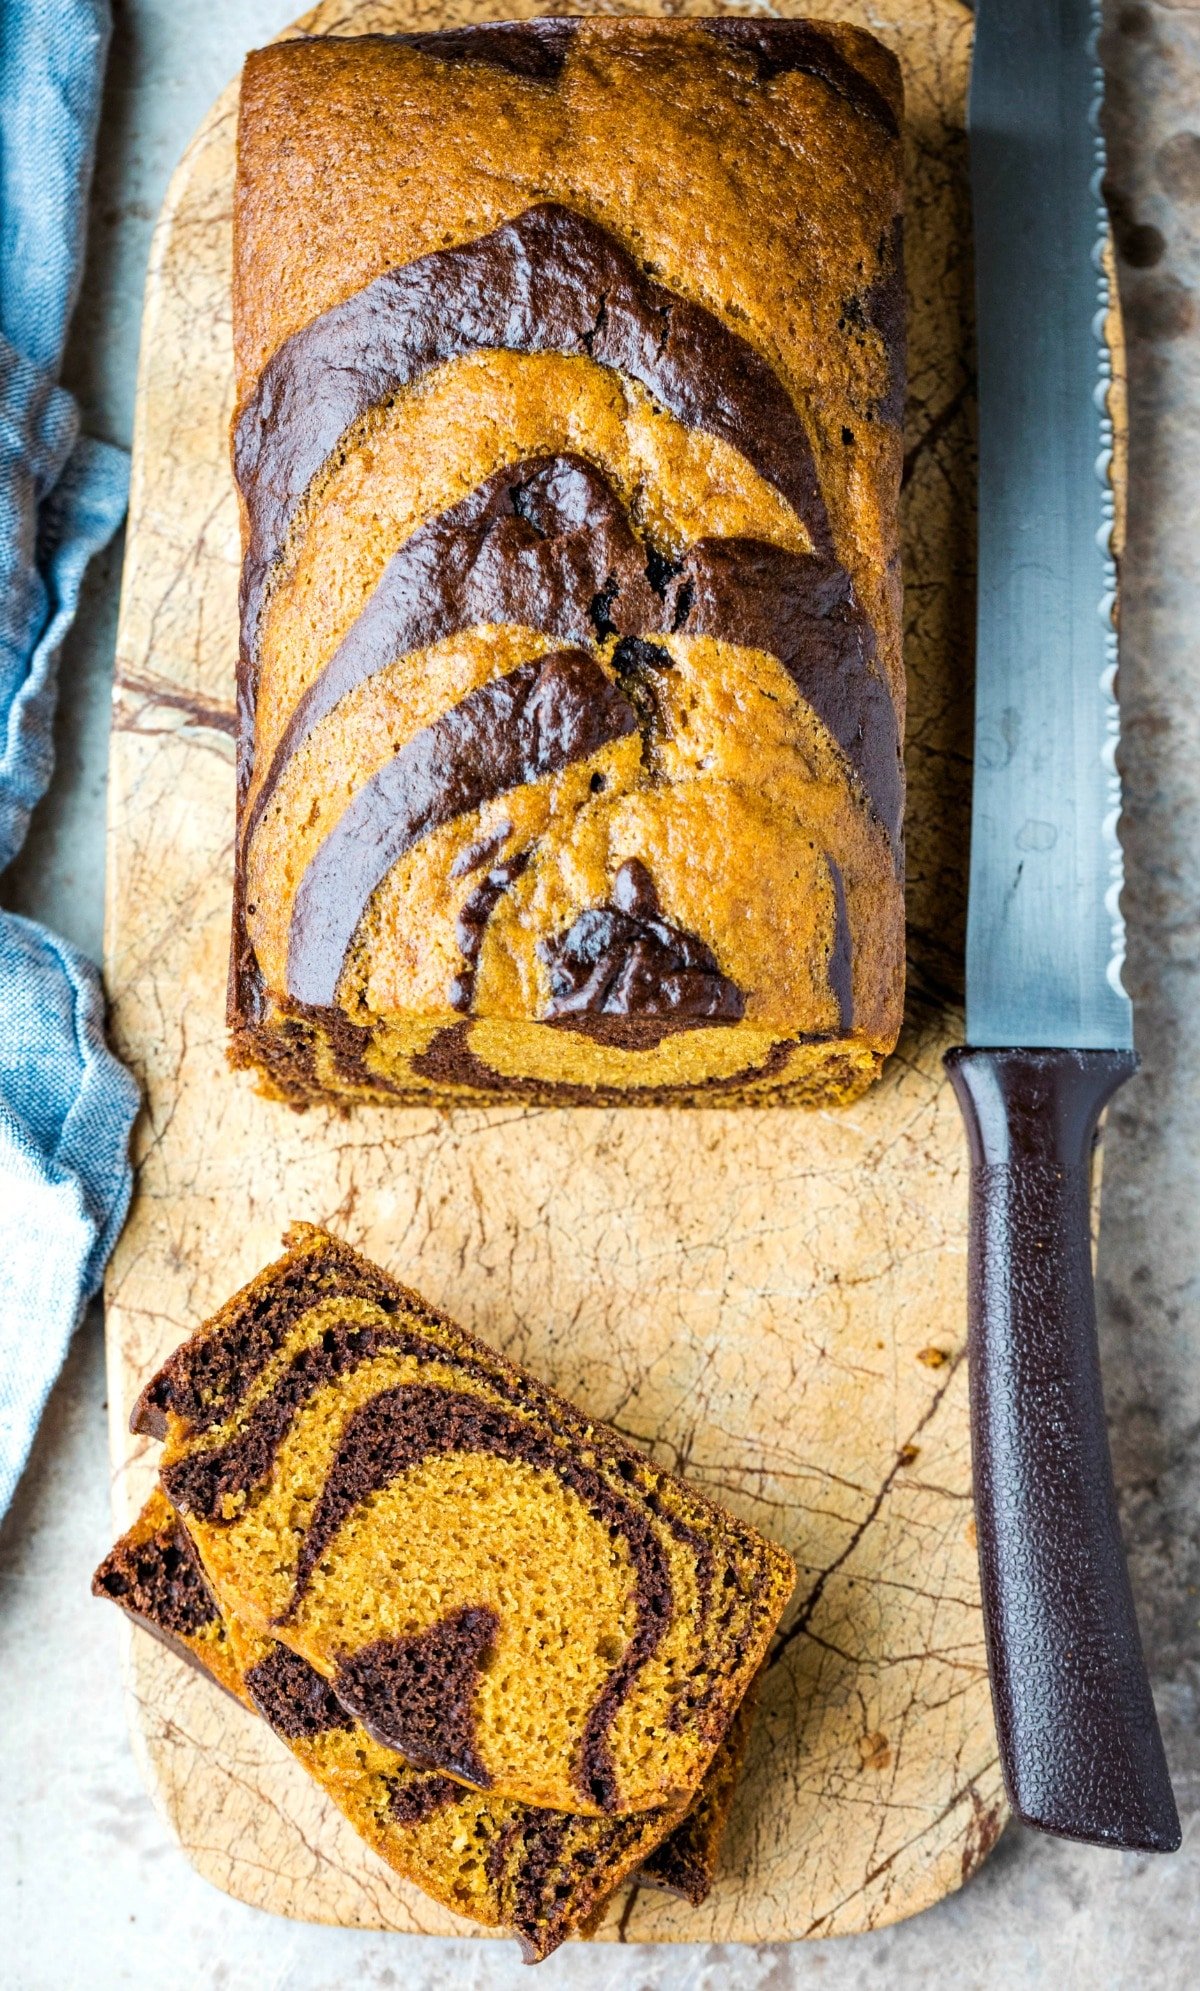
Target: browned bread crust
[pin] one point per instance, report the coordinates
(570, 387)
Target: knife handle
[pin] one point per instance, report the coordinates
(1079, 1738)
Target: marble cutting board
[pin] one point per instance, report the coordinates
(769, 1301)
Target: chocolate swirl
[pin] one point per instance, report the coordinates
(778, 48)
(546, 544)
(448, 1060)
(512, 730)
(401, 1428)
(626, 960)
(536, 50)
(549, 281)
(415, 1795)
(473, 918)
(417, 1694)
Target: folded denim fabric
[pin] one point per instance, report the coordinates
(66, 1109)
(66, 1105)
(60, 499)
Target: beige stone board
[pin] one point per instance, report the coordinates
(771, 1301)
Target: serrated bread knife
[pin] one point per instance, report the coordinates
(1049, 1026)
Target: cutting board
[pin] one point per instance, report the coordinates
(771, 1302)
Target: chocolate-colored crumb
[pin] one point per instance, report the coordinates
(417, 1694)
(293, 1698)
(543, 1835)
(158, 1579)
(415, 1795)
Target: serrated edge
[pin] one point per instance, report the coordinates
(1105, 325)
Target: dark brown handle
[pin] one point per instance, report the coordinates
(1078, 1734)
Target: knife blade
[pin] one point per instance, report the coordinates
(1045, 937)
(1049, 1024)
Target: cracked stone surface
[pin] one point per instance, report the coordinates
(89, 1883)
(768, 1301)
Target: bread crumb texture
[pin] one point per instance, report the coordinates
(541, 1874)
(496, 1587)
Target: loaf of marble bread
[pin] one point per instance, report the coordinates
(496, 1586)
(570, 368)
(540, 1874)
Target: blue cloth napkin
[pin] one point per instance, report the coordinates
(66, 1105)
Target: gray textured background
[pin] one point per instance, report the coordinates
(91, 1888)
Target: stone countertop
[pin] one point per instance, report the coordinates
(91, 1888)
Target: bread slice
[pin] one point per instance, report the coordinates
(154, 1574)
(541, 1874)
(497, 1587)
(685, 1862)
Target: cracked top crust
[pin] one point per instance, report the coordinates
(570, 530)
